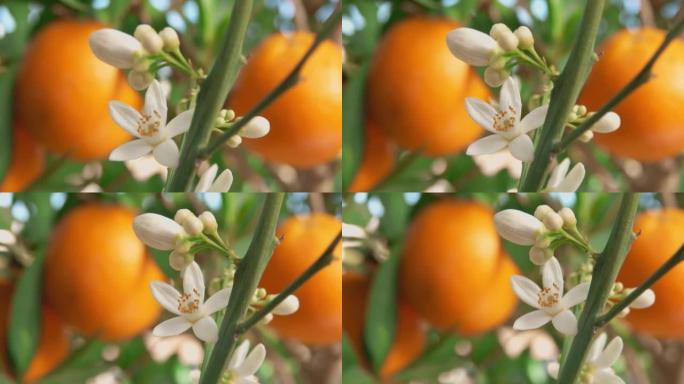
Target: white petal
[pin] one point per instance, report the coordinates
(574, 179)
(125, 117)
(558, 174)
(471, 46)
(206, 329)
(217, 301)
(565, 322)
(534, 119)
(131, 150)
(553, 369)
(597, 347)
(157, 231)
(287, 307)
(114, 47)
(155, 101)
(645, 300)
(522, 148)
(609, 122)
(193, 280)
(604, 376)
(166, 153)
(172, 327)
(239, 354)
(481, 112)
(532, 320)
(526, 290)
(552, 275)
(253, 361)
(576, 295)
(206, 179)
(166, 295)
(509, 98)
(179, 124)
(517, 226)
(258, 127)
(487, 145)
(610, 354)
(222, 182)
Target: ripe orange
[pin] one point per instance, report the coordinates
(53, 345)
(26, 165)
(409, 340)
(319, 318)
(306, 122)
(377, 162)
(453, 271)
(417, 89)
(62, 93)
(97, 273)
(652, 117)
(662, 233)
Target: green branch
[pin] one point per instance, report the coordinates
(212, 96)
(288, 82)
(660, 272)
(564, 95)
(603, 277)
(322, 261)
(247, 277)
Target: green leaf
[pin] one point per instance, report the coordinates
(439, 358)
(393, 221)
(352, 124)
(6, 83)
(381, 311)
(356, 375)
(83, 363)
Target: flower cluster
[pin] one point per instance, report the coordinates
(597, 367)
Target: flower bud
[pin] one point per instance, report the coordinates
(179, 261)
(157, 231)
(209, 221)
(170, 39)
(518, 227)
(507, 40)
(525, 37)
(581, 110)
(495, 77)
(624, 312)
(568, 216)
(193, 226)
(139, 80)
(183, 246)
(267, 319)
(234, 141)
(541, 211)
(539, 256)
(498, 62)
(609, 122)
(287, 307)
(552, 221)
(149, 38)
(256, 128)
(182, 215)
(114, 47)
(586, 136)
(645, 300)
(471, 46)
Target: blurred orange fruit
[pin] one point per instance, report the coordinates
(53, 345)
(409, 339)
(319, 318)
(306, 121)
(661, 235)
(377, 162)
(62, 92)
(453, 271)
(417, 88)
(26, 165)
(652, 116)
(97, 273)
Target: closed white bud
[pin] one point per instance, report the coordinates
(209, 221)
(149, 38)
(114, 47)
(552, 221)
(182, 215)
(610, 122)
(539, 256)
(157, 231)
(568, 216)
(170, 39)
(193, 226)
(179, 261)
(586, 136)
(139, 80)
(498, 62)
(267, 319)
(257, 127)
(183, 246)
(525, 37)
(645, 300)
(581, 110)
(287, 307)
(503, 35)
(234, 141)
(541, 211)
(495, 77)
(624, 312)
(472, 46)
(518, 227)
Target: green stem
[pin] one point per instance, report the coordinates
(322, 261)
(640, 79)
(247, 277)
(603, 277)
(212, 95)
(288, 82)
(564, 95)
(660, 272)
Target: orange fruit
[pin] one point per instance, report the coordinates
(319, 318)
(377, 162)
(26, 165)
(409, 340)
(306, 121)
(652, 117)
(661, 235)
(453, 270)
(62, 92)
(417, 88)
(53, 345)
(97, 273)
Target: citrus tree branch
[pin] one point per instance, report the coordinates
(323, 260)
(564, 95)
(247, 277)
(288, 82)
(608, 265)
(212, 95)
(660, 272)
(640, 79)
